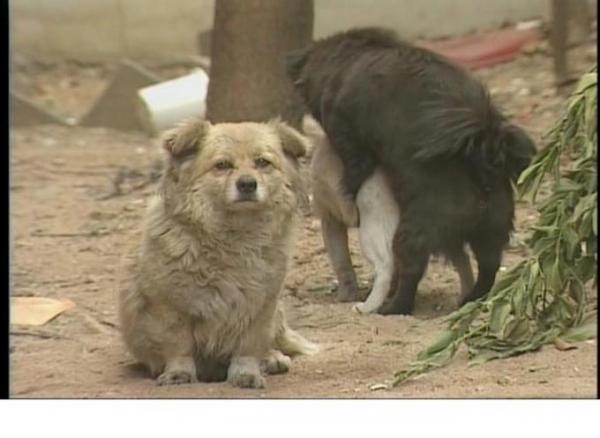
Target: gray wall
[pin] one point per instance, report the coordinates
(92, 30)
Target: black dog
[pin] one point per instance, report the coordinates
(449, 154)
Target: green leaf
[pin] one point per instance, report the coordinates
(566, 185)
(581, 333)
(443, 340)
(528, 172)
(586, 268)
(588, 80)
(571, 240)
(499, 315)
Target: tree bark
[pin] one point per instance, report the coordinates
(250, 39)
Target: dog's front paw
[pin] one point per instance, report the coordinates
(247, 379)
(245, 373)
(276, 363)
(175, 377)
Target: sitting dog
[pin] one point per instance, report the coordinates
(448, 153)
(379, 216)
(201, 297)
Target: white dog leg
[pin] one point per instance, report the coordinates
(379, 216)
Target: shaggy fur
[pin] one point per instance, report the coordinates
(449, 154)
(201, 297)
(379, 217)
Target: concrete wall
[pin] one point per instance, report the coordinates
(91, 30)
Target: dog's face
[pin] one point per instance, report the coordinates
(232, 167)
(243, 165)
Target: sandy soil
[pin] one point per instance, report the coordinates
(67, 240)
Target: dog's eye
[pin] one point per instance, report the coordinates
(262, 162)
(223, 165)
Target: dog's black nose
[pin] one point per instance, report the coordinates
(246, 184)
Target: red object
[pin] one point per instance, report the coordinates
(484, 50)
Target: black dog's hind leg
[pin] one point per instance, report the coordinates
(488, 254)
(411, 257)
(462, 264)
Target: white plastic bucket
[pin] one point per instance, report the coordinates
(163, 105)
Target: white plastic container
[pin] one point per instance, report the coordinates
(163, 105)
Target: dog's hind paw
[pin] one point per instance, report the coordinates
(175, 377)
(276, 362)
(363, 309)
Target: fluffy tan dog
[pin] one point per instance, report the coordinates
(201, 298)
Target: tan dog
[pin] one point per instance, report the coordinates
(201, 301)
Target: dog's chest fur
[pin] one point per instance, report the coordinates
(234, 275)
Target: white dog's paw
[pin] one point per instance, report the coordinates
(245, 373)
(175, 377)
(363, 309)
(276, 362)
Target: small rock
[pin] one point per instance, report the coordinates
(527, 25)
(549, 92)
(524, 92)
(503, 381)
(378, 386)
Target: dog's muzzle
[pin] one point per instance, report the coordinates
(246, 186)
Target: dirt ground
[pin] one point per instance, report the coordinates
(68, 233)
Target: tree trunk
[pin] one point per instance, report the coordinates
(249, 41)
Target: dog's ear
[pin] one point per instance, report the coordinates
(294, 62)
(184, 141)
(294, 144)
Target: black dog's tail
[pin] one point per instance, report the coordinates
(468, 125)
